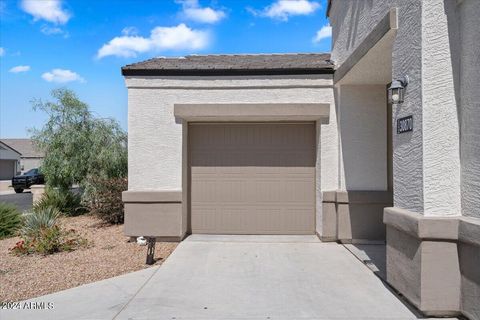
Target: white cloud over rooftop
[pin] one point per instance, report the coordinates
(324, 33)
(179, 37)
(283, 9)
(193, 11)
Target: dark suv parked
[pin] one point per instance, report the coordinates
(26, 180)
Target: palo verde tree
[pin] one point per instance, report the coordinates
(78, 145)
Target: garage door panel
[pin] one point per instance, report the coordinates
(274, 191)
(268, 189)
(204, 219)
(231, 220)
(252, 178)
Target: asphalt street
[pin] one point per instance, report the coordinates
(23, 201)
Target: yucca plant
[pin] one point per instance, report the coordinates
(41, 233)
(38, 220)
(10, 220)
(64, 201)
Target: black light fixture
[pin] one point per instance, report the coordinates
(397, 89)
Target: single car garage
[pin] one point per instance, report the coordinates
(252, 178)
(230, 144)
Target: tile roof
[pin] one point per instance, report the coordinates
(4, 146)
(24, 146)
(235, 64)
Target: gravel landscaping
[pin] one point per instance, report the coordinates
(109, 254)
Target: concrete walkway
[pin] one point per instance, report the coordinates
(235, 277)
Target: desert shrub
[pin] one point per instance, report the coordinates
(38, 220)
(10, 220)
(77, 144)
(103, 196)
(42, 234)
(63, 200)
(50, 240)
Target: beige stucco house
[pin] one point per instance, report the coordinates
(30, 156)
(314, 144)
(9, 162)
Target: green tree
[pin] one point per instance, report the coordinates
(78, 145)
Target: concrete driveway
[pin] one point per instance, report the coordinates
(235, 277)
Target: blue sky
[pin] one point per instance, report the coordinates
(82, 44)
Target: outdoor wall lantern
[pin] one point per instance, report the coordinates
(397, 89)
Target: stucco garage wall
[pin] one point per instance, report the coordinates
(466, 15)
(8, 163)
(469, 13)
(351, 22)
(155, 136)
(30, 163)
(363, 133)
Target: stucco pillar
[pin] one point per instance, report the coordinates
(440, 125)
(422, 254)
(427, 160)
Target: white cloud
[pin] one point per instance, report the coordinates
(193, 11)
(323, 33)
(2, 51)
(180, 37)
(62, 76)
(18, 69)
(283, 9)
(53, 31)
(129, 31)
(49, 10)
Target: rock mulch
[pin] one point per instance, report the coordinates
(109, 254)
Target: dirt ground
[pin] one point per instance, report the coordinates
(109, 254)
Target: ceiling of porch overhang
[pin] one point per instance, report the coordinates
(375, 67)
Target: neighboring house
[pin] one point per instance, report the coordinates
(310, 143)
(30, 158)
(9, 162)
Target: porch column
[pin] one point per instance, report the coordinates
(422, 229)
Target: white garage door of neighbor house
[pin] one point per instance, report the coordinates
(252, 178)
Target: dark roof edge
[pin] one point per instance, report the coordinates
(329, 6)
(6, 145)
(224, 72)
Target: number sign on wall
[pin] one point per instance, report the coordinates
(405, 124)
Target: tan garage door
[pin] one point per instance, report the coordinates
(7, 169)
(255, 178)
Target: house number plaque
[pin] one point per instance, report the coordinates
(405, 124)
